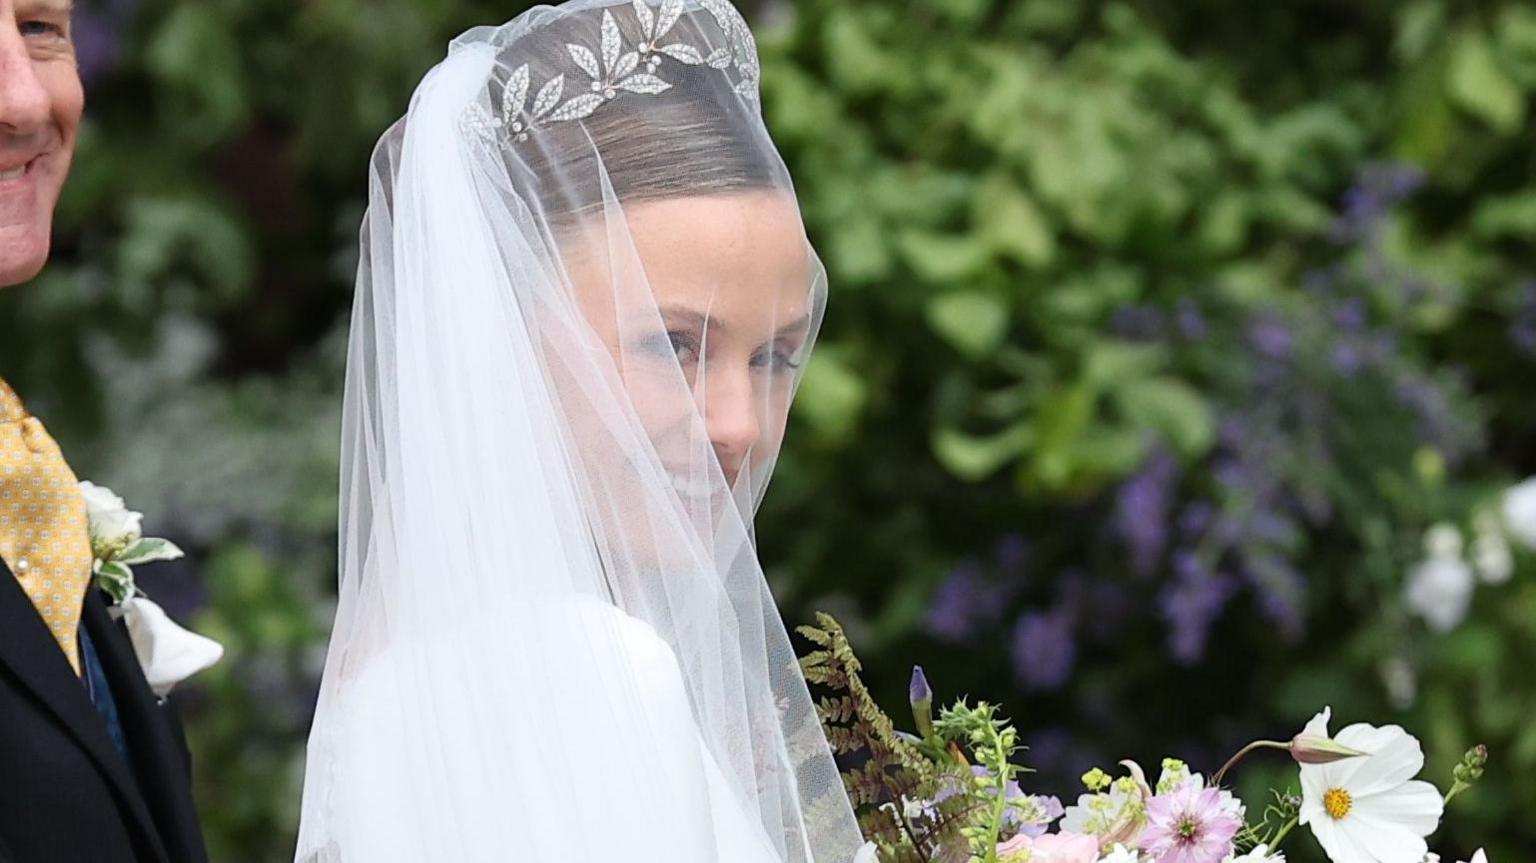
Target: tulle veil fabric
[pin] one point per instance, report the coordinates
(554, 641)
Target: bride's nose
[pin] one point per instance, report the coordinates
(729, 404)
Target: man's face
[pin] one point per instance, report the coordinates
(40, 105)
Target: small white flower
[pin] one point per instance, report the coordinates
(168, 653)
(1370, 809)
(1520, 513)
(1120, 854)
(1260, 854)
(1443, 540)
(1440, 590)
(1479, 857)
(1490, 550)
(112, 526)
(1098, 814)
(1401, 681)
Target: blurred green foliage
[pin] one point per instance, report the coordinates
(1006, 194)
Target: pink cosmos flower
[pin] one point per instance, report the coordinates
(1189, 825)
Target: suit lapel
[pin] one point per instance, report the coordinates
(34, 658)
(160, 758)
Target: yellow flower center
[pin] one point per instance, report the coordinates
(1337, 803)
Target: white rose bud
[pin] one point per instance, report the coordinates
(113, 527)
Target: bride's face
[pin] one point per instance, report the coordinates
(706, 306)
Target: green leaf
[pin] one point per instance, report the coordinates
(1480, 87)
(1224, 224)
(832, 395)
(116, 579)
(975, 458)
(148, 550)
(1011, 224)
(859, 251)
(974, 323)
(1110, 365)
(1063, 417)
(198, 60)
(1108, 452)
(942, 259)
(1173, 409)
(1511, 216)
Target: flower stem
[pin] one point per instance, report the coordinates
(1282, 833)
(1241, 753)
(1456, 788)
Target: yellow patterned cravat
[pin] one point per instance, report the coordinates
(43, 535)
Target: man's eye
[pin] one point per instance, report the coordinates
(42, 28)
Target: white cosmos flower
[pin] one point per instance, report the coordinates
(1479, 857)
(1370, 809)
(1260, 854)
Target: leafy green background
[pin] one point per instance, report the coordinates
(1101, 271)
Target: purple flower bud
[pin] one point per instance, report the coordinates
(921, 697)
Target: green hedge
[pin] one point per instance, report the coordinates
(1160, 333)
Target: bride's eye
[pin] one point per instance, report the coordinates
(778, 358)
(673, 344)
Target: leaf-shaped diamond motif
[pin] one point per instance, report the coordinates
(610, 42)
(549, 94)
(612, 68)
(515, 96)
(626, 65)
(683, 53)
(577, 108)
(646, 19)
(482, 123)
(644, 83)
(671, 10)
(585, 59)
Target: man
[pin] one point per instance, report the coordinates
(93, 767)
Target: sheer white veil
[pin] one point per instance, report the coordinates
(554, 641)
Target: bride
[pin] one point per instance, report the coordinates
(584, 302)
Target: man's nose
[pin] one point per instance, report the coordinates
(23, 101)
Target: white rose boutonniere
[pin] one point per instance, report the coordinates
(168, 652)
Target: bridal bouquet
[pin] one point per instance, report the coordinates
(951, 791)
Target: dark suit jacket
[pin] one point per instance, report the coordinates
(66, 793)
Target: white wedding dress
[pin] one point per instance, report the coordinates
(377, 812)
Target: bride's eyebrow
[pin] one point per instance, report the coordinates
(689, 317)
(677, 315)
(799, 326)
